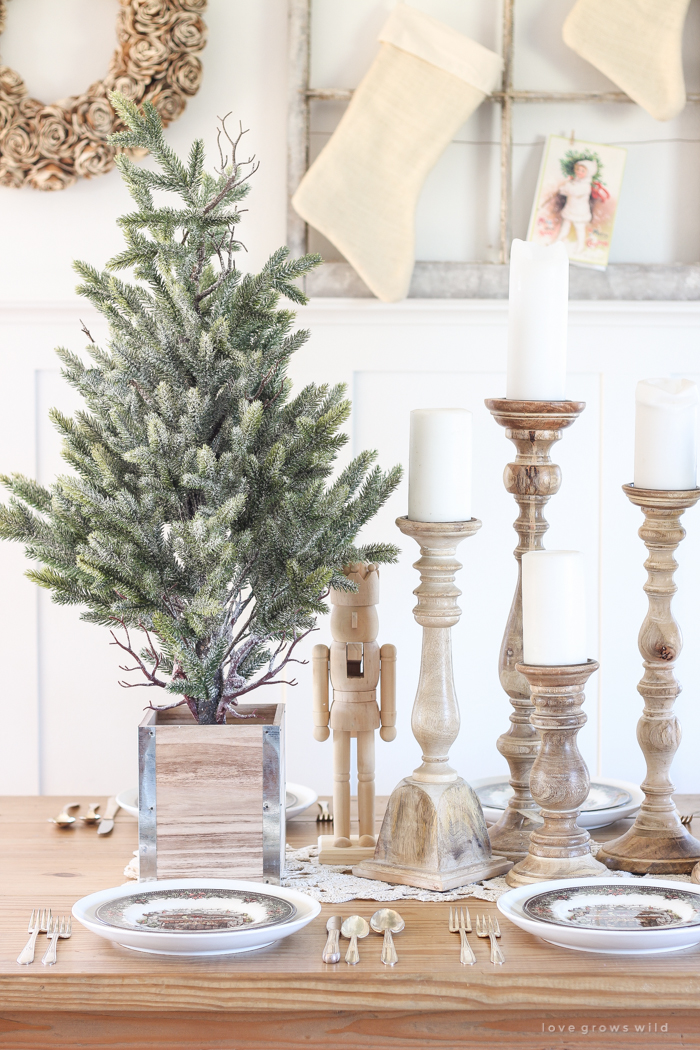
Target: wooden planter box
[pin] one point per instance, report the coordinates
(212, 798)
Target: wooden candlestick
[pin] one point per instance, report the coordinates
(434, 834)
(657, 843)
(559, 781)
(533, 427)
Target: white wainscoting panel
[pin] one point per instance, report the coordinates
(70, 728)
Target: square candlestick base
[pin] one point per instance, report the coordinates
(433, 836)
(352, 854)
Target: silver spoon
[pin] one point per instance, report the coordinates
(331, 953)
(92, 816)
(353, 927)
(387, 922)
(64, 819)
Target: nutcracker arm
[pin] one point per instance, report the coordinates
(387, 655)
(319, 663)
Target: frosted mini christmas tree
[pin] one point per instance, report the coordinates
(198, 523)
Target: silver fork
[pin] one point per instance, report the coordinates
(59, 929)
(38, 923)
(462, 924)
(488, 928)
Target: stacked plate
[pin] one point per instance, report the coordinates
(196, 916)
(608, 915)
(608, 800)
(299, 798)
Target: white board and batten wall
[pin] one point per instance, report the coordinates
(68, 727)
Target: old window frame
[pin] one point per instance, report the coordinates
(464, 280)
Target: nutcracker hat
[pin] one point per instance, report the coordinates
(365, 575)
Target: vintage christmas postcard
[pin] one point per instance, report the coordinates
(577, 196)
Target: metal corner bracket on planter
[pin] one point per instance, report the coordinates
(212, 798)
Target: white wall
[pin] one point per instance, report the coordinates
(244, 73)
(60, 48)
(67, 725)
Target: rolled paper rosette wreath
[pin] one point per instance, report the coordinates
(361, 191)
(48, 147)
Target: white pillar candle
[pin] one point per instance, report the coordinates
(666, 434)
(554, 608)
(440, 465)
(537, 318)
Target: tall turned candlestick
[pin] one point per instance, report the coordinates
(558, 848)
(434, 834)
(657, 842)
(533, 427)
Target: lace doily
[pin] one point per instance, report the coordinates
(335, 883)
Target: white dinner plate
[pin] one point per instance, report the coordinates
(299, 798)
(608, 915)
(129, 801)
(196, 916)
(496, 791)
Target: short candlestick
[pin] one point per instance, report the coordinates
(434, 834)
(559, 848)
(657, 843)
(533, 427)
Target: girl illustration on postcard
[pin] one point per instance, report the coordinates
(580, 194)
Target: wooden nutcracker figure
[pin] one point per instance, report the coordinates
(357, 665)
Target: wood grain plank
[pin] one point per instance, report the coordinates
(209, 789)
(352, 1030)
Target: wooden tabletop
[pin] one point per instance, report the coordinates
(284, 996)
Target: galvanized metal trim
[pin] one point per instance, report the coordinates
(639, 282)
(148, 848)
(273, 803)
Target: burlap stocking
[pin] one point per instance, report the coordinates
(361, 191)
(637, 43)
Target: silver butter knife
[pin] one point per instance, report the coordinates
(107, 822)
